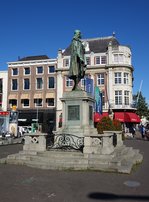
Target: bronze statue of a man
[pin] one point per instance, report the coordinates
(77, 60)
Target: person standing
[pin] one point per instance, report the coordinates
(142, 131)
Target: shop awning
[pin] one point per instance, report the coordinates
(13, 97)
(50, 95)
(38, 96)
(98, 117)
(25, 96)
(119, 116)
(132, 117)
(127, 117)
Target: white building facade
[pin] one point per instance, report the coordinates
(109, 65)
(3, 90)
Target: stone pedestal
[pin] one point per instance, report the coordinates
(107, 142)
(77, 114)
(77, 119)
(78, 125)
(35, 142)
(92, 144)
(119, 138)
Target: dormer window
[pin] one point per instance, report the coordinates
(97, 60)
(101, 60)
(88, 61)
(66, 62)
(118, 58)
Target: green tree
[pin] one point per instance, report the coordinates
(142, 106)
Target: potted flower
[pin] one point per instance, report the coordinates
(111, 128)
(107, 124)
(117, 125)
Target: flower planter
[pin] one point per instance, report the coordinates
(107, 142)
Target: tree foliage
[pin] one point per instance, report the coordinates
(142, 106)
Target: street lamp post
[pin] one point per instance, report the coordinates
(37, 112)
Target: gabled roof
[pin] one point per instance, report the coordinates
(38, 57)
(96, 45)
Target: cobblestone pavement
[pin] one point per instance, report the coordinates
(24, 184)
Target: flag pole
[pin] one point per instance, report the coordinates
(139, 90)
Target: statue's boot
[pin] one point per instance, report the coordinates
(76, 86)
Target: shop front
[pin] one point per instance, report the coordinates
(43, 119)
(129, 120)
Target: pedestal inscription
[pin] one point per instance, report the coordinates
(73, 112)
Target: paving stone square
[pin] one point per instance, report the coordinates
(25, 184)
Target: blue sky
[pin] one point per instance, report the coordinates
(39, 27)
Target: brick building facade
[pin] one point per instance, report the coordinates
(32, 88)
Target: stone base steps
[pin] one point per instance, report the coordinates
(121, 160)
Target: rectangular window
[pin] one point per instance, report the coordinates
(83, 82)
(118, 58)
(97, 60)
(51, 82)
(121, 60)
(100, 79)
(126, 97)
(38, 102)
(14, 84)
(39, 83)
(1, 85)
(26, 70)
(103, 60)
(69, 82)
(118, 79)
(26, 84)
(126, 78)
(25, 102)
(39, 70)
(15, 71)
(12, 103)
(66, 62)
(103, 99)
(0, 100)
(88, 61)
(50, 102)
(118, 97)
(51, 69)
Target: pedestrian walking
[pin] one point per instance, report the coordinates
(142, 131)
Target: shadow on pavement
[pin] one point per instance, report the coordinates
(109, 196)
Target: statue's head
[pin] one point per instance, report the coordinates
(77, 33)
